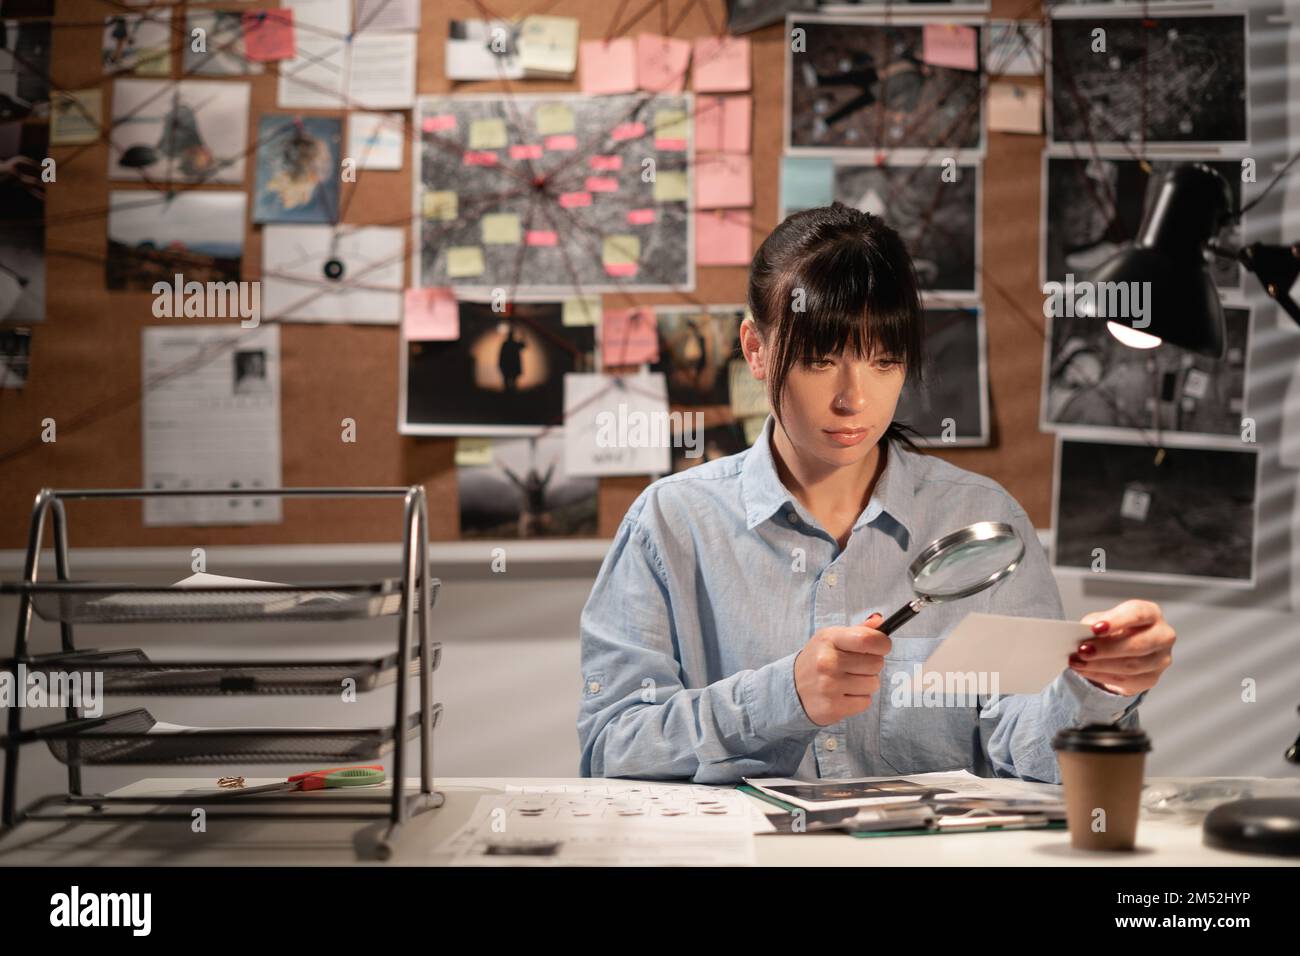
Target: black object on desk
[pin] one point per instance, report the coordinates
(1258, 825)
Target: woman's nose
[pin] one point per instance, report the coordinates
(851, 398)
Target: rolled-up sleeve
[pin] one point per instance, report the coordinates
(636, 717)
(1016, 730)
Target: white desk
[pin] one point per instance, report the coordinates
(1162, 840)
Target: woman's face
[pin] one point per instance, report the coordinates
(836, 409)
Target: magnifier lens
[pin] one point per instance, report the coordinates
(956, 570)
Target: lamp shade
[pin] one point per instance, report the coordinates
(1181, 303)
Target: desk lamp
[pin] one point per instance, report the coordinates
(1178, 229)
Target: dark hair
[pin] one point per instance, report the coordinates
(859, 292)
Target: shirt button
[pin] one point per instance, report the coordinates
(594, 686)
(831, 579)
(792, 518)
(830, 744)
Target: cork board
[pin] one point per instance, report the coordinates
(85, 369)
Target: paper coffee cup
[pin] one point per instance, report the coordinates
(1101, 770)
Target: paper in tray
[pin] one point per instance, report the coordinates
(130, 671)
(213, 598)
(135, 737)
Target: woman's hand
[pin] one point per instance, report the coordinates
(837, 673)
(1132, 647)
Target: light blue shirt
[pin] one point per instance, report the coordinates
(718, 576)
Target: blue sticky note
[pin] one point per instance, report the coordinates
(806, 182)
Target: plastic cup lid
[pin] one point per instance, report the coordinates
(1102, 738)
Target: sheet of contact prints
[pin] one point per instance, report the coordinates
(612, 824)
(211, 420)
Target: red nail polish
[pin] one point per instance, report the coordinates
(1087, 650)
(1075, 660)
(1101, 627)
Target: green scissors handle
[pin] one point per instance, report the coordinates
(339, 777)
(330, 779)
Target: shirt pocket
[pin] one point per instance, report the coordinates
(915, 738)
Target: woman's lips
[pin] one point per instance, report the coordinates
(847, 437)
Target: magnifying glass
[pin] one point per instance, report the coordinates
(961, 563)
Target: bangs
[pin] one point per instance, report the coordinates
(846, 298)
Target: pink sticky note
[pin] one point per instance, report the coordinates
(268, 35)
(541, 237)
(627, 131)
(670, 144)
(720, 65)
(439, 124)
(950, 44)
(529, 151)
(722, 123)
(601, 184)
(570, 200)
(723, 238)
(479, 157)
(430, 315)
(561, 142)
(629, 336)
(640, 217)
(708, 123)
(723, 180)
(661, 63)
(737, 123)
(607, 67)
(606, 164)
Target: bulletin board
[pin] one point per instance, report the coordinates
(86, 355)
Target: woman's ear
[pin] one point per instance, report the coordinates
(751, 344)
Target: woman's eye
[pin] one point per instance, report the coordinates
(821, 363)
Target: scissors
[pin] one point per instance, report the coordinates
(366, 776)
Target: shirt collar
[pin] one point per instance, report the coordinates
(764, 494)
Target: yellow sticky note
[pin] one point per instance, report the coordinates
(473, 451)
(554, 118)
(548, 45)
(670, 186)
(441, 205)
(464, 261)
(621, 250)
(1015, 108)
(155, 63)
(75, 116)
(583, 310)
(501, 229)
(487, 133)
(670, 124)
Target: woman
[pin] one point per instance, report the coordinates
(730, 631)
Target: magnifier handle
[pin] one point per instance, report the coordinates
(901, 616)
